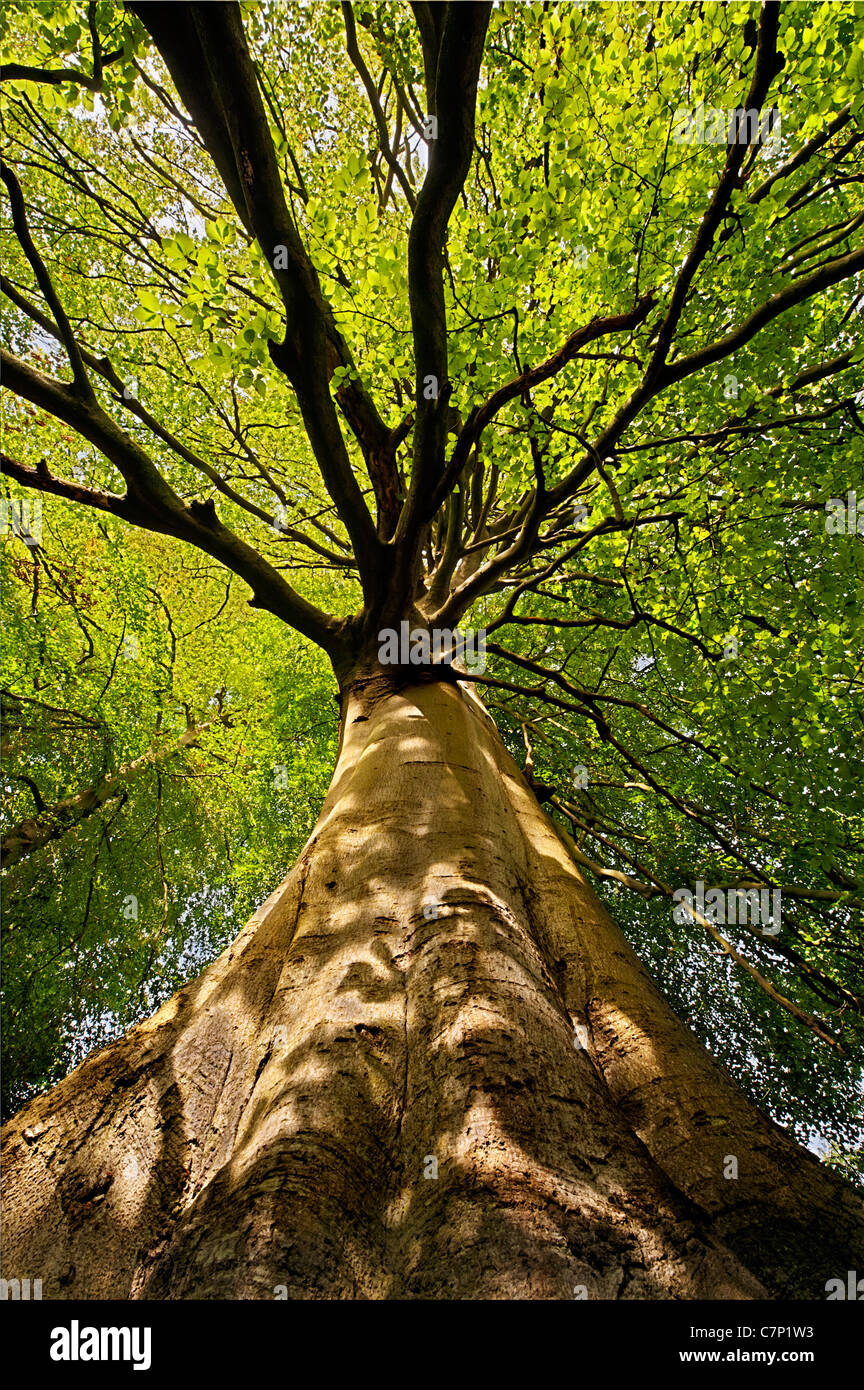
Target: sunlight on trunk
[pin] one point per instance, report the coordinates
(381, 1089)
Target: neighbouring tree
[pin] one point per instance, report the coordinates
(158, 780)
(535, 319)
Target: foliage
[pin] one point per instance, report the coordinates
(124, 640)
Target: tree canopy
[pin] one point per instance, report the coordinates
(352, 312)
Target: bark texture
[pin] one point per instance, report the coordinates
(407, 1003)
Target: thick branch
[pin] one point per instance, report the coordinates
(803, 155)
(460, 30)
(205, 50)
(831, 274)
(763, 75)
(52, 822)
(151, 503)
(43, 279)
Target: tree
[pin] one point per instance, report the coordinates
(113, 642)
(427, 307)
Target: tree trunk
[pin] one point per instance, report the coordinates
(378, 1091)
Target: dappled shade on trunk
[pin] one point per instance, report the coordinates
(381, 1090)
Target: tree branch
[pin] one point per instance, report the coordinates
(151, 503)
(205, 50)
(353, 49)
(43, 279)
(458, 32)
(22, 72)
(51, 822)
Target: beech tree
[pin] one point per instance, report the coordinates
(537, 320)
